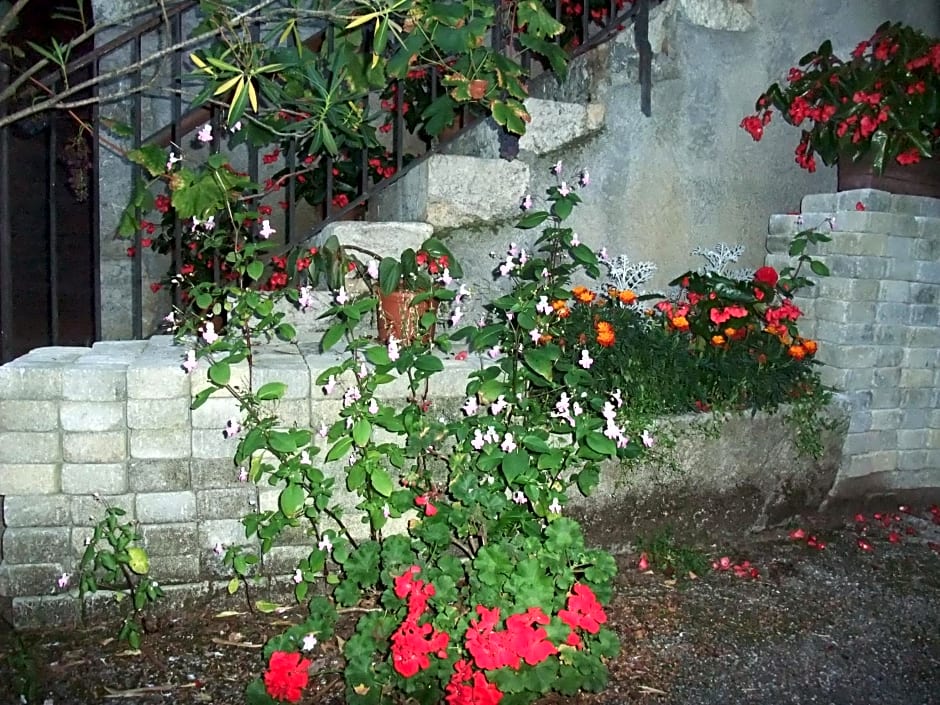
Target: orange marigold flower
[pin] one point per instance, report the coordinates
(679, 322)
(797, 352)
(718, 340)
(561, 308)
(606, 339)
(583, 294)
(605, 334)
(810, 347)
(626, 297)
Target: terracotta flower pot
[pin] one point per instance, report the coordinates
(398, 316)
(920, 179)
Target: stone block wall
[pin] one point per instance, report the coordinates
(877, 319)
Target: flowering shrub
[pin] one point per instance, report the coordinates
(491, 593)
(880, 103)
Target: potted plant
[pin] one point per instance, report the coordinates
(407, 289)
(874, 115)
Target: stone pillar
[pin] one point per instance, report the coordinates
(877, 320)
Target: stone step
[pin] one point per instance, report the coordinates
(554, 126)
(452, 191)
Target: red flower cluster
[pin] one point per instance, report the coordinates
(583, 611)
(521, 640)
(412, 642)
(287, 676)
(784, 312)
(434, 265)
(478, 692)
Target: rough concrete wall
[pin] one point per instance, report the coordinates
(877, 319)
(689, 176)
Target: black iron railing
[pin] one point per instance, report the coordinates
(588, 23)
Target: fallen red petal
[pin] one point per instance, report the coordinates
(860, 518)
(865, 545)
(797, 535)
(643, 564)
(894, 537)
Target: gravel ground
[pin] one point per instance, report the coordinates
(841, 626)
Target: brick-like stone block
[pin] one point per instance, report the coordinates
(102, 447)
(36, 545)
(869, 463)
(912, 439)
(95, 382)
(920, 377)
(215, 412)
(166, 507)
(47, 611)
(913, 398)
(227, 532)
(29, 479)
(912, 459)
(928, 272)
(20, 447)
(153, 377)
(29, 415)
(174, 569)
(923, 337)
(36, 510)
(89, 478)
(283, 560)
(155, 444)
(925, 315)
(30, 579)
(170, 539)
(287, 367)
(231, 503)
(151, 414)
(211, 474)
(886, 420)
(92, 416)
(25, 381)
(87, 509)
(158, 475)
(212, 444)
(885, 399)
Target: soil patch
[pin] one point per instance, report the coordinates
(842, 625)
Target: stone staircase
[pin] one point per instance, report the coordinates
(470, 187)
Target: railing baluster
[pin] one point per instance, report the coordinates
(52, 224)
(6, 266)
(176, 108)
(95, 195)
(137, 313)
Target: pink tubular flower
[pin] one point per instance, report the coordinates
(423, 501)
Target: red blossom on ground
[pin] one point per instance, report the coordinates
(644, 563)
(859, 206)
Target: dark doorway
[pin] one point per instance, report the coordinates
(51, 204)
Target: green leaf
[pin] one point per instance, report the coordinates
(361, 432)
(515, 464)
(138, 560)
(588, 480)
(233, 586)
(378, 355)
(340, 449)
(271, 391)
(532, 220)
(429, 363)
(600, 443)
(266, 607)
(382, 482)
(220, 373)
(389, 275)
(151, 157)
(819, 268)
(542, 360)
(291, 500)
(332, 336)
(255, 269)
(282, 442)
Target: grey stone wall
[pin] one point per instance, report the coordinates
(877, 320)
(115, 421)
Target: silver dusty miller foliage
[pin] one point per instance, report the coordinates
(718, 259)
(624, 274)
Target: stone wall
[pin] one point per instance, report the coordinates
(115, 421)
(877, 319)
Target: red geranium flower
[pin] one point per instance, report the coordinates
(287, 676)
